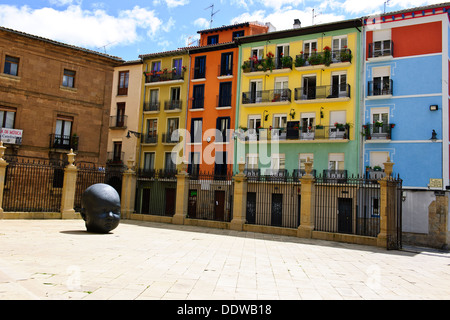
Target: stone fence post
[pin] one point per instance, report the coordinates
(69, 187)
(128, 194)
(308, 193)
(387, 204)
(181, 207)
(3, 165)
(239, 200)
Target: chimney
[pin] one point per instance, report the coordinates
(297, 24)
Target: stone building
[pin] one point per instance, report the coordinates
(54, 97)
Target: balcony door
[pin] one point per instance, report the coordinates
(339, 85)
(63, 131)
(256, 91)
(177, 64)
(120, 121)
(380, 120)
(281, 89)
(309, 87)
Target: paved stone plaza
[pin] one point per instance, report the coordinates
(58, 259)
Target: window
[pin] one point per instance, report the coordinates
(156, 66)
(238, 34)
(117, 154)
(172, 126)
(309, 47)
(199, 97)
(223, 125)
(381, 84)
(152, 131)
(303, 158)
(123, 83)
(11, 66)
(281, 92)
(154, 100)
(382, 44)
(282, 51)
(309, 87)
(120, 115)
(177, 65)
(307, 122)
(226, 64)
(225, 94)
(213, 39)
(200, 67)
(336, 161)
(69, 79)
(378, 158)
(278, 162)
(251, 161)
(169, 165)
(220, 167)
(337, 131)
(149, 161)
(380, 120)
(196, 130)
(7, 119)
(279, 121)
(339, 84)
(255, 91)
(339, 44)
(63, 132)
(194, 163)
(258, 53)
(254, 123)
(174, 102)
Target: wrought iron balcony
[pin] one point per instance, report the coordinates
(58, 141)
(379, 49)
(173, 105)
(320, 58)
(149, 138)
(115, 158)
(279, 95)
(380, 88)
(118, 122)
(378, 131)
(162, 76)
(151, 106)
(170, 138)
(323, 92)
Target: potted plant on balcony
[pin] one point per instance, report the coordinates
(247, 66)
(300, 60)
(346, 55)
(286, 62)
(378, 124)
(269, 63)
(315, 58)
(327, 56)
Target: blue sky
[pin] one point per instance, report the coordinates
(129, 28)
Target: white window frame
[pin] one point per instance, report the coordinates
(336, 161)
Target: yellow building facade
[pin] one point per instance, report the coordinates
(163, 108)
(300, 87)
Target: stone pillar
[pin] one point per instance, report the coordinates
(438, 220)
(128, 193)
(3, 165)
(387, 203)
(307, 213)
(69, 187)
(181, 207)
(239, 199)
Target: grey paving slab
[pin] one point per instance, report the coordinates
(58, 259)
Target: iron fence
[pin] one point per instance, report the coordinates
(33, 185)
(273, 200)
(156, 192)
(211, 197)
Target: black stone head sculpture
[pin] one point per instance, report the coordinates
(100, 208)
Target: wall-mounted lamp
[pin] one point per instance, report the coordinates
(136, 134)
(434, 107)
(403, 195)
(265, 116)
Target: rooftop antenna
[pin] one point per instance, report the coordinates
(315, 15)
(212, 14)
(386, 3)
(104, 47)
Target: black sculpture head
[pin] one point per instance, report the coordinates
(100, 208)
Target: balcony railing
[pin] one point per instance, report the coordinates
(169, 138)
(149, 138)
(58, 141)
(262, 65)
(319, 132)
(223, 101)
(151, 106)
(319, 58)
(114, 158)
(173, 105)
(278, 95)
(161, 76)
(119, 122)
(323, 92)
(197, 103)
(381, 49)
(225, 70)
(378, 131)
(380, 88)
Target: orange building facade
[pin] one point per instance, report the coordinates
(212, 98)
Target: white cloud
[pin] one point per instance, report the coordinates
(92, 29)
(171, 3)
(284, 19)
(201, 23)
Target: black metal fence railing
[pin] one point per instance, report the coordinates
(156, 192)
(211, 197)
(380, 88)
(173, 105)
(323, 92)
(58, 141)
(33, 185)
(381, 49)
(152, 106)
(278, 95)
(118, 121)
(159, 76)
(378, 131)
